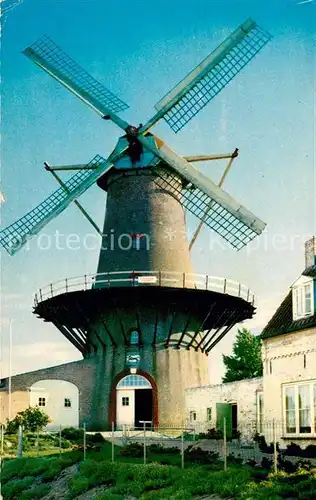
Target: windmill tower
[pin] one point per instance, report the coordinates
(145, 312)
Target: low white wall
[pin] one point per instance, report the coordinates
(243, 392)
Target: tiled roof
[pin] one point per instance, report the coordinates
(310, 271)
(282, 320)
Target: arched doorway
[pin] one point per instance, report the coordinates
(134, 401)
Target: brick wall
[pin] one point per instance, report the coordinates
(80, 373)
(243, 392)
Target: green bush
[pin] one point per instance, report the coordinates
(133, 450)
(125, 479)
(292, 479)
(310, 451)
(159, 449)
(78, 485)
(91, 474)
(154, 481)
(36, 492)
(233, 460)
(72, 434)
(32, 419)
(95, 438)
(14, 488)
(199, 456)
(211, 434)
(65, 444)
(263, 446)
(54, 467)
(22, 467)
(293, 450)
(301, 484)
(286, 465)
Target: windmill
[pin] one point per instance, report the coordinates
(144, 309)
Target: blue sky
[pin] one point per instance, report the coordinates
(140, 50)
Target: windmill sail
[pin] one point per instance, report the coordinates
(17, 234)
(200, 86)
(50, 57)
(228, 218)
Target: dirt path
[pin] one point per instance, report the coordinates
(92, 494)
(59, 488)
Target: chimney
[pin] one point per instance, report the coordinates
(310, 252)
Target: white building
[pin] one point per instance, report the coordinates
(285, 397)
(59, 399)
(239, 402)
(289, 358)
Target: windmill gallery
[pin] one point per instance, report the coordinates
(144, 322)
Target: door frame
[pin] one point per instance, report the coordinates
(112, 396)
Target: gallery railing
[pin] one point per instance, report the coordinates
(146, 278)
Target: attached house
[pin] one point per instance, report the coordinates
(284, 399)
(289, 358)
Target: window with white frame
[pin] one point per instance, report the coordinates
(303, 300)
(67, 403)
(208, 414)
(125, 401)
(41, 401)
(260, 412)
(299, 405)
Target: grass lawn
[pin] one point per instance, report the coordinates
(32, 477)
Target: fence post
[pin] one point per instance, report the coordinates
(1, 457)
(275, 452)
(2, 441)
(59, 439)
(225, 446)
(182, 449)
(84, 441)
(124, 434)
(112, 441)
(144, 442)
(37, 443)
(20, 442)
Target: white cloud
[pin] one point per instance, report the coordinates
(28, 357)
